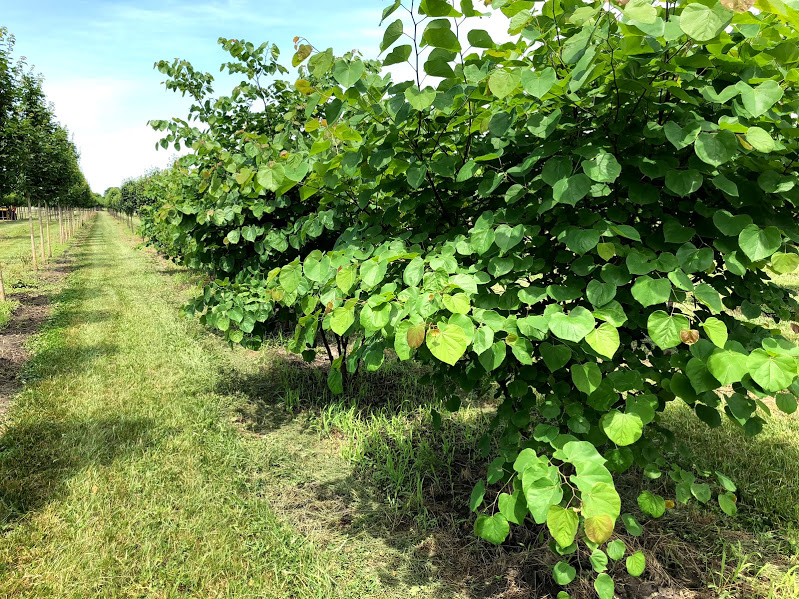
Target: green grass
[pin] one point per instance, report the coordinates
(122, 473)
(16, 263)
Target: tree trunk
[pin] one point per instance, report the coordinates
(41, 231)
(60, 225)
(49, 248)
(33, 243)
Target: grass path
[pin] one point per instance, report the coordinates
(121, 471)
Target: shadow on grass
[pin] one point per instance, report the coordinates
(38, 457)
(43, 445)
(407, 485)
(385, 472)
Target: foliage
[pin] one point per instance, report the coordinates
(576, 219)
(37, 158)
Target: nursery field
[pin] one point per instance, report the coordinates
(504, 307)
(145, 458)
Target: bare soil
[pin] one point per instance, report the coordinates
(26, 321)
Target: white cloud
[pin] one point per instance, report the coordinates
(112, 143)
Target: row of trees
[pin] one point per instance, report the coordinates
(38, 161)
(138, 194)
(584, 221)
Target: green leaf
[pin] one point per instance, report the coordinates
(562, 524)
(786, 402)
(513, 507)
(760, 140)
(439, 35)
(494, 529)
(648, 291)
(727, 504)
(555, 356)
(784, 264)
(341, 319)
(398, 55)
(616, 550)
(374, 319)
(508, 237)
(599, 560)
(503, 82)
(412, 275)
(632, 525)
(773, 373)
(636, 564)
(479, 38)
(346, 73)
(711, 149)
(604, 586)
(641, 11)
(758, 243)
(702, 23)
(290, 277)
(581, 241)
(572, 189)
(335, 381)
(345, 278)
(538, 83)
(683, 183)
(600, 294)
(601, 499)
(372, 272)
(623, 429)
(760, 99)
(540, 494)
(319, 64)
(716, 331)
(604, 168)
(586, 377)
(604, 340)
(664, 330)
(709, 296)
(457, 303)
(563, 573)
(682, 137)
(391, 35)
(271, 178)
(701, 491)
(478, 492)
(420, 99)
(447, 343)
(532, 294)
(573, 326)
(731, 225)
(651, 504)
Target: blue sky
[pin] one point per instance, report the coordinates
(97, 59)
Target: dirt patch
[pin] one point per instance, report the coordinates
(26, 321)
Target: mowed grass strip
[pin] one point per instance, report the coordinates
(121, 471)
(15, 259)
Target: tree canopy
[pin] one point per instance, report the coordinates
(584, 221)
(37, 157)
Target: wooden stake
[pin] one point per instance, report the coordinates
(49, 249)
(2, 287)
(33, 243)
(41, 231)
